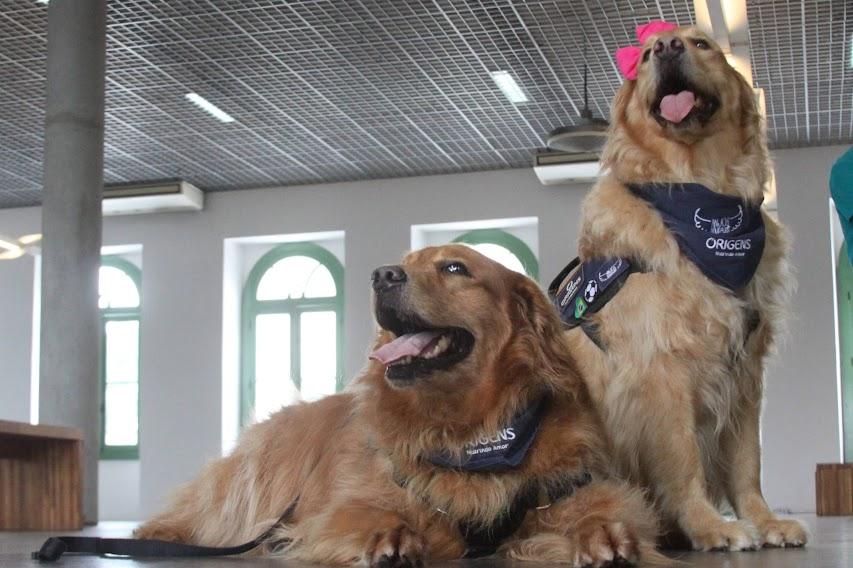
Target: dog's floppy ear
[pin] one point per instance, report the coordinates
(750, 116)
(538, 334)
(531, 308)
(620, 101)
(752, 127)
(618, 110)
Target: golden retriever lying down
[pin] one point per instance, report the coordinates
(679, 379)
(471, 361)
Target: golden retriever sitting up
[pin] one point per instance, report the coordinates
(678, 376)
(469, 432)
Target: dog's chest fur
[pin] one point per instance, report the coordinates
(568, 443)
(617, 223)
(673, 309)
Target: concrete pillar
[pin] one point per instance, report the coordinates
(71, 223)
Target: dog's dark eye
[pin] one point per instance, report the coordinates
(455, 267)
(646, 55)
(701, 43)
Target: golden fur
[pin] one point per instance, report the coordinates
(680, 383)
(340, 455)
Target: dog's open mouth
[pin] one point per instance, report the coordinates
(678, 103)
(420, 349)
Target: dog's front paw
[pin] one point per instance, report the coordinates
(396, 548)
(606, 544)
(783, 533)
(595, 544)
(722, 536)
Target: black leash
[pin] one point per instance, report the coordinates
(56, 546)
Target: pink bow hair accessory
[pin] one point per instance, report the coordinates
(628, 58)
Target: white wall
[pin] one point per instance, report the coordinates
(526, 229)
(118, 490)
(181, 394)
(801, 419)
(16, 321)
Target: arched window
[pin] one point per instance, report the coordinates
(504, 248)
(120, 303)
(292, 347)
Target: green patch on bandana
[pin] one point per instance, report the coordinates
(580, 307)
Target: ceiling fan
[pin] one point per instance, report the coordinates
(588, 135)
(15, 248)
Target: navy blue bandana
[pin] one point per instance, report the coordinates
(506, 449)
(722, 235)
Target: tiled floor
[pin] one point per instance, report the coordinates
(831, 547)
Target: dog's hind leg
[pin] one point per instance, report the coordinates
(664, 448)
(219, 508)
(740, 446)
(180, 522)
(742, 451)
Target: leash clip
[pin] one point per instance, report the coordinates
(543, 499)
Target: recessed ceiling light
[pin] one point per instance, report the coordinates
(15, 248)
(12, 254)
(509, 87)
(30, 239)
(8, 244)
(42, 1)
(10, 249)
(209, 107)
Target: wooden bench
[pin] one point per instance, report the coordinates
(834, 489)
(41, 487)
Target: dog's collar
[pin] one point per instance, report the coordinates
(723, 235)
(502, 451)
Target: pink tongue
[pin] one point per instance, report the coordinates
(675, 107)
(411, 344)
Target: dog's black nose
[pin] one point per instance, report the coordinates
(388, 276)
(668, 47)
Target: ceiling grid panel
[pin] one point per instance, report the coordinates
(327, 90)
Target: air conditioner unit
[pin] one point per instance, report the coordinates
(159, 197)
(553, 168)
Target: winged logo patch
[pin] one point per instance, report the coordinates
(720, 225)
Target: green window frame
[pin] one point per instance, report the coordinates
(119, 314)
(252, 307)
(506, 240)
